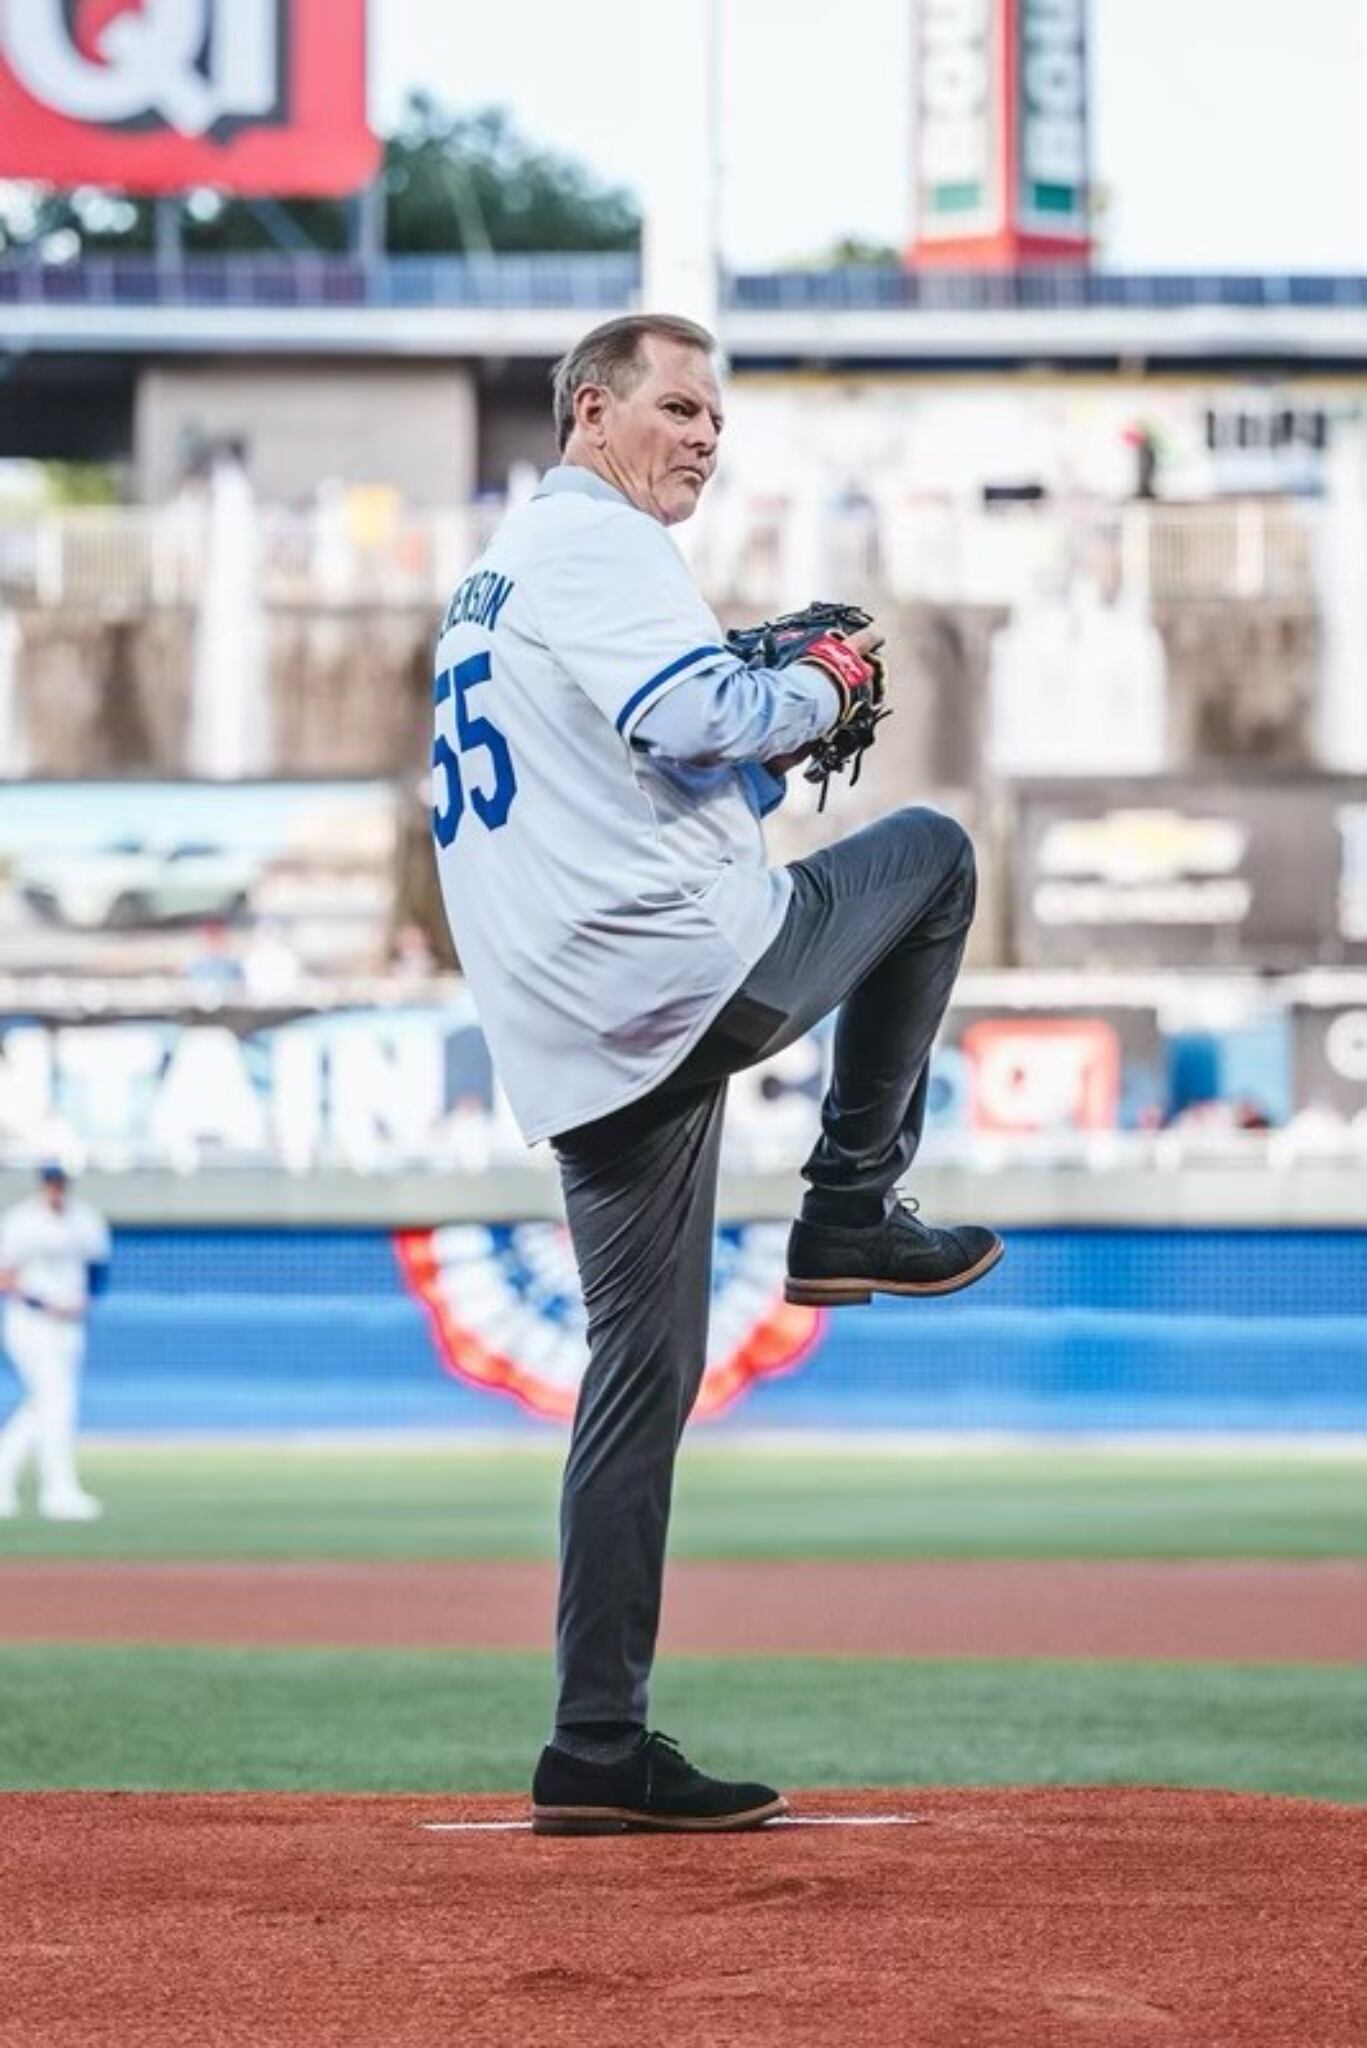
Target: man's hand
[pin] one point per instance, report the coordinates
(843, 642)
(867, 640)
(783, 764)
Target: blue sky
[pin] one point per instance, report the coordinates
(1229, 133)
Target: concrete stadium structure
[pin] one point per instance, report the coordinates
(105, 357)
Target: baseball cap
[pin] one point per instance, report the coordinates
(53, 1170)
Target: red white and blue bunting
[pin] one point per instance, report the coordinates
(505, 1311)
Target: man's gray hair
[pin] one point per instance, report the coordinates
(611, 355)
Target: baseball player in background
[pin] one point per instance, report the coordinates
(54, 1255)
(601, 767)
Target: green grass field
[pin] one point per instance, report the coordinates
(281, 1502)
(347, 1720)
(436, 1721)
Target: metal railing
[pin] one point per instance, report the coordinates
(869, 288)
(400, 557)
(127, 558)
(611, 281)
(593, 282)
(1251, 550)
(364, 551)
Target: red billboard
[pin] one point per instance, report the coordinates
(1043, 1074)
(265, 96)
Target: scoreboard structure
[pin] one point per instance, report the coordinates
(1001, 139)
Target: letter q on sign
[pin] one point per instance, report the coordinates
(260, 96)
(144, 62)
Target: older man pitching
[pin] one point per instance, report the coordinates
(601, 767)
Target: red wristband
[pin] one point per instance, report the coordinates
(844, 664)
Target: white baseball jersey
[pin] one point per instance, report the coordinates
(604, 908)
(50, 1251)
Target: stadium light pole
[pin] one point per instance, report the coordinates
(680, 240)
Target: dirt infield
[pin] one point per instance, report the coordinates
(1006, 1917)
(1272, 1612)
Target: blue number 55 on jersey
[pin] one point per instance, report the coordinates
(475, 735)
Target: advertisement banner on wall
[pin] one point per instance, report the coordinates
(1048, 1072)
(355, 1087)
(410, 1080)
(265, 96)
(1168, 873)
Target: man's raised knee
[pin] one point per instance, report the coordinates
(952, 848)
(959, 848)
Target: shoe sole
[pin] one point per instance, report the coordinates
(854, 1293)
(626, 1820)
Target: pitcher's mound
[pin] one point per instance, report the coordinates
(1027, 1917)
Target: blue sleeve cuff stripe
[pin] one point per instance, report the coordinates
(664, 675)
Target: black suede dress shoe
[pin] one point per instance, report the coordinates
(832, 1263)
(655, 1788)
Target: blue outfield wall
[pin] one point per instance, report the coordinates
(1114, 1330)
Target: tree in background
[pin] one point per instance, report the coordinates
(477, 176)
(453, 184)
(854, 252)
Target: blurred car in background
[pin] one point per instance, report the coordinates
(136, 882)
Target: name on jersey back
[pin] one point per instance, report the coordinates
(478, 600)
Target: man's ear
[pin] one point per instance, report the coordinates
(590, 407)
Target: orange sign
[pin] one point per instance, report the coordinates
(1043, 1074)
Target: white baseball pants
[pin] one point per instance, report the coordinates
(46, 1351)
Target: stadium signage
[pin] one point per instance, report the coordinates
(246, 95)
(1001, 136)
(352, 1088)
(1053, 116)
(1043, 1074)
(958, 147)
(1267, 441)
(164, 63)
(1167, 872)
(1142, 866)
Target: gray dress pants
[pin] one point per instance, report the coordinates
(876, 925)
